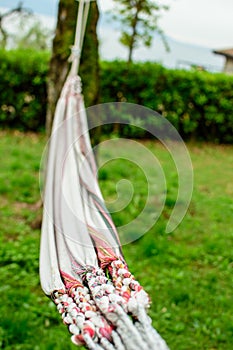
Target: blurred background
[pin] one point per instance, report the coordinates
(193, 29)
(174, 57)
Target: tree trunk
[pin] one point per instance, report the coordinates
(59, 66)
(133, 37)
(130, 57)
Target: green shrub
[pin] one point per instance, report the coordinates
(23, 89)
(198, 104)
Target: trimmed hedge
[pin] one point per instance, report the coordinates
(23, 89)
(198, 104)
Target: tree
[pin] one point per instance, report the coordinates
(139, 20)
(30, 33)
(18, 10)
(33, 35)
(59, 65)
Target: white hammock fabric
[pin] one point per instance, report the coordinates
(81, 264)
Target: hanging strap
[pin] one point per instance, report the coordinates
(76, 49)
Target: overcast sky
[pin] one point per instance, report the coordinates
(202, 22)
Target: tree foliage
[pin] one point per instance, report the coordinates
(19, 10)
(139, 20)
(21, 29)
(23, 89)
(33, 35)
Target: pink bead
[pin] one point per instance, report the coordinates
(126, 295)
(89, 330)
(106, 332)
(78, 339)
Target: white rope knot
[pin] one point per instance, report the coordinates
(75, 53)
(72, 87)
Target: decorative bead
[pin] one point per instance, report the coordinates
(127, 274)
(90, 314)
(89, 328)
(126, 281)
(142, 297)
(132, 305)
(74, 329)
(113, 298)
(79, 322)
(97, 321)
(122, 272)
(73, 313)
(124, 288)
(126, 295)
(81, 315)
(78, 339)
(109, 288)
(106, 332)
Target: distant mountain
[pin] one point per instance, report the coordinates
(180, 55)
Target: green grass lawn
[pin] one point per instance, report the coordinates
(187, 273)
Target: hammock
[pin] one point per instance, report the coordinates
(82, 267)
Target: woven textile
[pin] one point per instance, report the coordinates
(81, 264)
